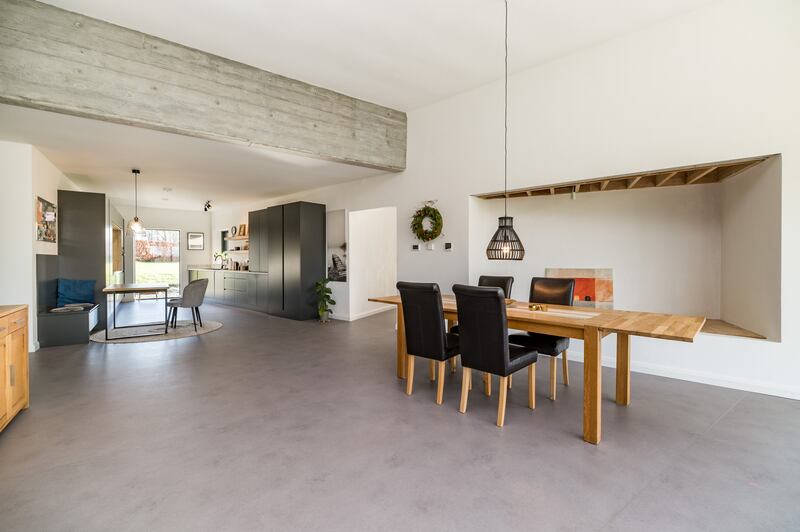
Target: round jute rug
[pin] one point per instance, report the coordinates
(185, 329)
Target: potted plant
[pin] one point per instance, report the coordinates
(324, 299)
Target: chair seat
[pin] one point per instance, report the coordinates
(543, 343)
(520, 358)
(175, 302)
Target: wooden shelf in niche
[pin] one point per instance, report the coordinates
(237, 238)
(697, 174)
(728, 329)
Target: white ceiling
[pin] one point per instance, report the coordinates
(99, 157)
(399, 53)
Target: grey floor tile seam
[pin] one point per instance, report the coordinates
(657, 474)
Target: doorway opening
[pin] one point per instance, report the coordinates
(117, 254)
(157, 258)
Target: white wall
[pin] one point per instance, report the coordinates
(372, 250)
(751, 250)
(663, 244)
(25, 174)
(716, 84)
(47, 181)
(17, 262)
(181, 220)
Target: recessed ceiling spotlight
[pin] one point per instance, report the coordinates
(167, 189)
(207, 206)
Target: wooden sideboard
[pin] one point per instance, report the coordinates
(14, 390)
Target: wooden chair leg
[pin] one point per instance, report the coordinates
(466, 386)
(440, 382)
(487, 384)
(553, 369)
(510, 379)
(564, 368)
(453, 364)
(532, 386)
(409, 374)
(432, 369)
(501, 405)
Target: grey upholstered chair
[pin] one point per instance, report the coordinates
(192, 298)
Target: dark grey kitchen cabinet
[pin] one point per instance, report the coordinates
(257, 221)
(296, 258)
(262, 291)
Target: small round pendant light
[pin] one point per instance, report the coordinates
(136, 225)
(505, 244)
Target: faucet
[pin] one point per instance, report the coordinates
(222, 258)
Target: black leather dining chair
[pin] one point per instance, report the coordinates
(484, 344)
(502, 282)
(551, 292)
(426, 335)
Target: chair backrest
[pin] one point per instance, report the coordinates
(552, 291)
(483, 328)
(499, 281)
(423, 317)
(194, 293)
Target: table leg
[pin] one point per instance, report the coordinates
(107, 317)
(166, 314)
(592, 385)
(401, 344)
(623, 369)
(113, 308)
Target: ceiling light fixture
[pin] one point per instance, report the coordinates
(505, 244)
(136, 225)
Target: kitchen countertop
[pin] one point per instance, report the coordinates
(217, 269)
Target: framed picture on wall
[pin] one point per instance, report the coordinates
(195, 241)
(45, 220)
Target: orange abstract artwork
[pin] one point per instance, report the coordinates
(594, 287)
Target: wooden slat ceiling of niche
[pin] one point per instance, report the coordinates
(697, 174)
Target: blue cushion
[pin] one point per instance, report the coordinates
(75, 291)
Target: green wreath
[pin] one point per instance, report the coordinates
(431, 213)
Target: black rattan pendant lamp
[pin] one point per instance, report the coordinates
(505, 244)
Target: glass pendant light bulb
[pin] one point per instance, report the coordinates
(136, 226)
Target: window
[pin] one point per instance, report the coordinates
(157, 258)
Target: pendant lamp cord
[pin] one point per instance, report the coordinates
(505, 123)
(136, 195)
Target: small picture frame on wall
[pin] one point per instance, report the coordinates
(195, 241)
(242, 232)
(45, 221)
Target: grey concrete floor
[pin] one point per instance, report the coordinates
(271, 424)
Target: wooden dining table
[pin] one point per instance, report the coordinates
(136, 288)
(588, 324)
